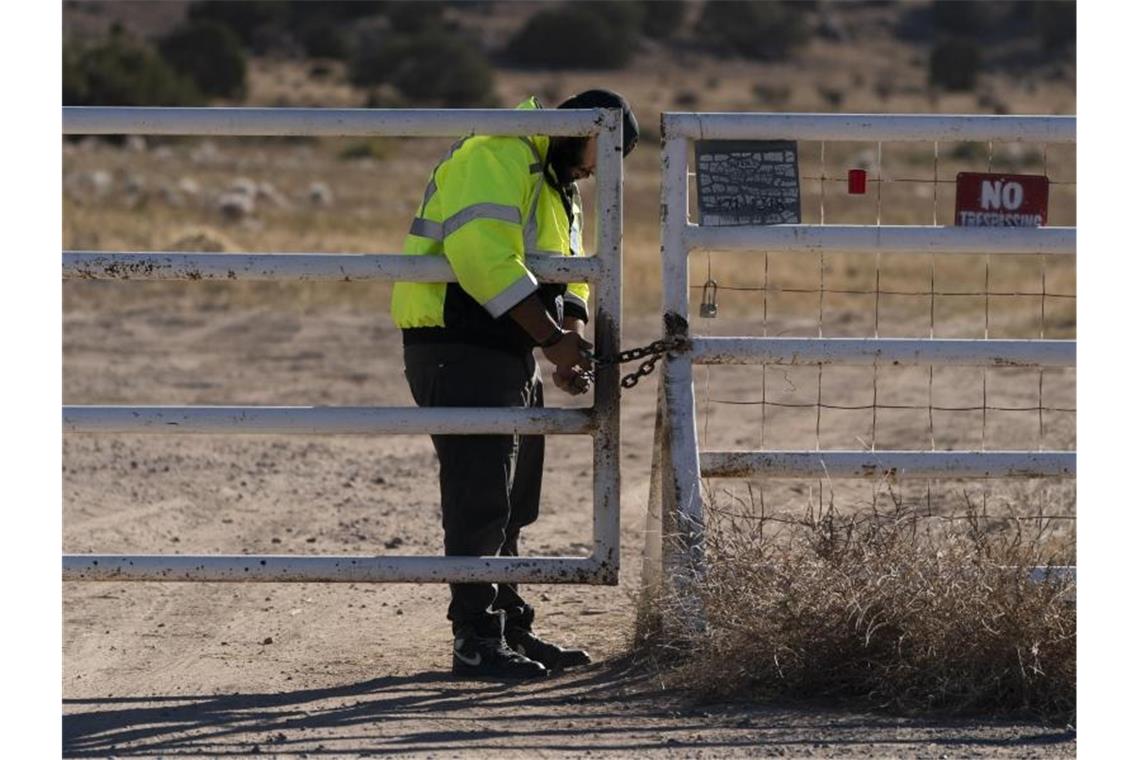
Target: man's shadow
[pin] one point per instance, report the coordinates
(271, 722)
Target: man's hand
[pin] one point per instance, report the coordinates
(571, 381)
(571, 352)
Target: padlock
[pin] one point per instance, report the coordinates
(708, 300)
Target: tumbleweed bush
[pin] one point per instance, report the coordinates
(892, 609)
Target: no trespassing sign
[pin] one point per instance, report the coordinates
(1001, 200)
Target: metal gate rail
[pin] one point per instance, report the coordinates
(602, 421)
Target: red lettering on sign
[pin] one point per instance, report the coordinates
(1001, 200)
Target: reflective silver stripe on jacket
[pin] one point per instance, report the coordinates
(511, 295)
(537, 165)
(426, 228)
(429, 191)
(499, 211)
(440, 230)
(576, 223)
(530, 231)
(571, 298)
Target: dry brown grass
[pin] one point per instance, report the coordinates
(375, 198)
(888, 610)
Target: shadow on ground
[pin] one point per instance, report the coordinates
(606, 709)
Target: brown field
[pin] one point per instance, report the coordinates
(348, 670)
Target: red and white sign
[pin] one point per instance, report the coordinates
(1001, 200)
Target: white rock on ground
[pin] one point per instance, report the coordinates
(235, 206)
(189, 186)
(97, 183)
(206, 153)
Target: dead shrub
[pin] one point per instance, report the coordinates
(896, 611)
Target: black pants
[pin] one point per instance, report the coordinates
(490, 485)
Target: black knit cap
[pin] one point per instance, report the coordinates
(609, 99)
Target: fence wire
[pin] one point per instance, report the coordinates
(990, 295)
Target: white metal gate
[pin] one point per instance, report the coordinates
(676, 507)
(602, 421)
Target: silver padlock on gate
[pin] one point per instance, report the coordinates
(708, 300)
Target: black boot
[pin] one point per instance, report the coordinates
(521, 638)
(481, 652)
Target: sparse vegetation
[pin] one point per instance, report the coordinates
(319, 29)
(831, 96)
(122, 71)
(432, 68)
(968, 17)
(771, 94)
(376, 149)
(244, 17)
(582, 35)
(686, 99)
(410, 17)
(887, 610)
(1056, 22)
(954, 64)
(662, 19)
(759, 29)
(221, 71)
(324, 39)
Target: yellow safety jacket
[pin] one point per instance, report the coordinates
(491, 201)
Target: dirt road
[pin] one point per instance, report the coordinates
(209, 670)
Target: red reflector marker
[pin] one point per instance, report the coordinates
(856, 181)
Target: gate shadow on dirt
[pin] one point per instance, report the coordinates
(301, 720)
(601, 708)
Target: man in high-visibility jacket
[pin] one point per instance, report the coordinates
(492, 201)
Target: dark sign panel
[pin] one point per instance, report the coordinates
(1001, 200)
(747, 182)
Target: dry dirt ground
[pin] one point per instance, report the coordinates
(310, 670)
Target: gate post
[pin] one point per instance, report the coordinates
(679, 541)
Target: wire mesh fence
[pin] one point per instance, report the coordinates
(838, 294)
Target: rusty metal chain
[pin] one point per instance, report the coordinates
(651, 353)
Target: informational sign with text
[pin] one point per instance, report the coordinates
(742, 182)
(1001, 200)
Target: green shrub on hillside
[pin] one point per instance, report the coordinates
(586, 35)
(662, 19)
(277, 26)
(954, 64)
(1056, 22)
(209, 53)
(968, 17)
(244, 17)
(432, 68)
(757, 29)
(323, 29)
(335, 11)
(122, 71)
(323, 39)
(414, 17)
(625, 17)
